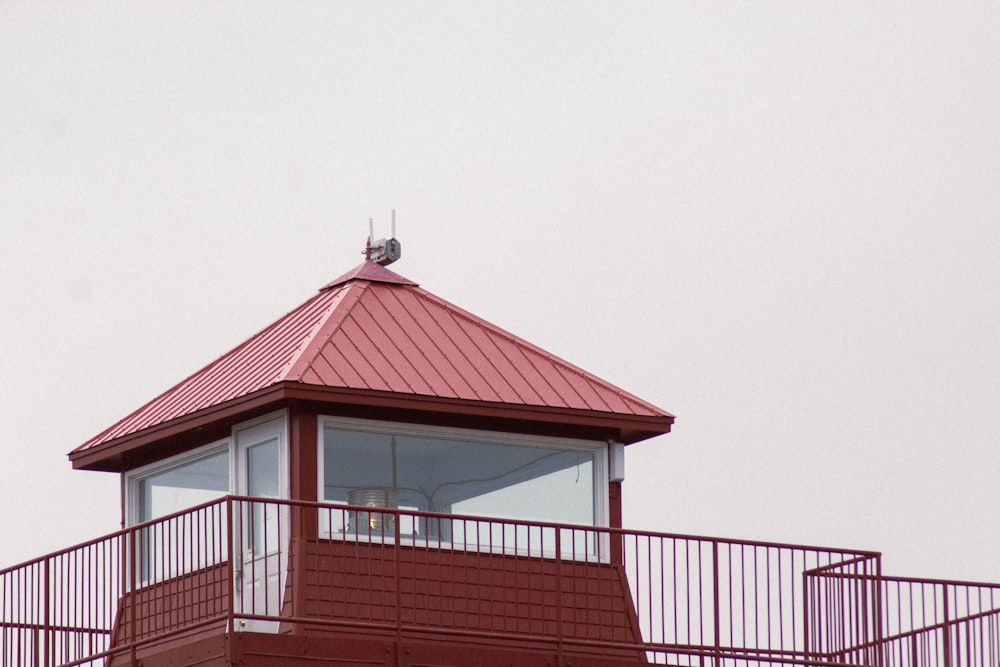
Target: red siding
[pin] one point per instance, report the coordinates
(463, 591)
(172, 605)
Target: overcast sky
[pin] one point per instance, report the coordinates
(778, 220)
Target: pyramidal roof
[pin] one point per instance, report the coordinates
(372, 331)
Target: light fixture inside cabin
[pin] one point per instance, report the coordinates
(361, 521)
(375, 522)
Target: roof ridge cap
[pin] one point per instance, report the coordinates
(371, 272)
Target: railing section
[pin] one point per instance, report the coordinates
(80, 606)
(261, 565)
(726, 597)
(905, 622)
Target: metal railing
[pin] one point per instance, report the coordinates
(83, 604)
(255, 565)
(727, 595)
(906, 622)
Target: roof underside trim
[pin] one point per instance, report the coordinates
(102, 457)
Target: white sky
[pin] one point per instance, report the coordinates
(778, 220)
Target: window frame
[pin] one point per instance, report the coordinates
(598, 449)
(133, 478)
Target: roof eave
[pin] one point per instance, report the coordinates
(635, 427)
(107, 456)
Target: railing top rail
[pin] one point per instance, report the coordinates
(837, 567)
(568, 526)
(110, 536)
(829, 572)
(933, 627)
(632, 532)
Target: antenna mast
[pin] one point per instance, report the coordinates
(383, 251)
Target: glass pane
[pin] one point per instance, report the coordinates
(184, 486)
(189, 542)
(555, 496)
(264, 481)
(263, 478)
(453, 476)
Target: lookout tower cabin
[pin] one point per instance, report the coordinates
(382, 478)
(378, 477)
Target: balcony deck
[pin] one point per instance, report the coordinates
(361, 586)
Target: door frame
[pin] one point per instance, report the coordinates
(245, 436)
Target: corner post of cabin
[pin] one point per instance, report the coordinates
(303, 475)
(615, 522)
(616, 475)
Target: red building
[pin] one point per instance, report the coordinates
(382, 478)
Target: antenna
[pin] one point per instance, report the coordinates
(383, 251)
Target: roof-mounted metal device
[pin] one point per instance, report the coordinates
(383, 251)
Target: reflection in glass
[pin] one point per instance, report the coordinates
(453, 476)
(189, 542)
(263, 481)
(184, 486)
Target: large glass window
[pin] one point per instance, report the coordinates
(191, 541)
(457, 471)
(185, 485)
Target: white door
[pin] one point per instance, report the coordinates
(262, 539)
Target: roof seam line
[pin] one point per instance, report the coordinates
(300, 362)
(590, 378)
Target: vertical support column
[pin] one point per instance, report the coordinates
(615, 519)
(303, 444)
(616, 475)
(303, 441)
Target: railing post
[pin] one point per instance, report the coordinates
(231, 588)
(397, 535)
(806, 639)
(559, 601)
(46, 611)
(123, 569)
(946, 628)
(882, 656)
(132, 635)
(864, 609)
(715, 602)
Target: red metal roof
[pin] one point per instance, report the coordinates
(372, 329)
